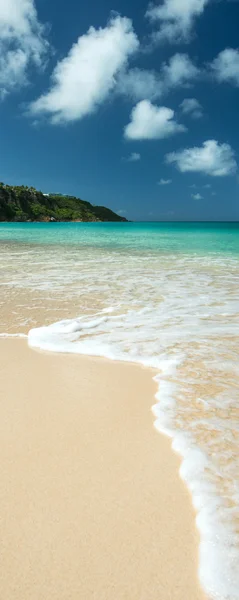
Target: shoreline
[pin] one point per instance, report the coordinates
(79, 479)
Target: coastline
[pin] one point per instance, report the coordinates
(91, 500)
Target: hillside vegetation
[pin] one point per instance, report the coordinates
(22, 203)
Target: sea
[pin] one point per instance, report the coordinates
(166, 296)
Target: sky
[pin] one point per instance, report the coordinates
(130, 105)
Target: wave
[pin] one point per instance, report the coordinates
(107, 335)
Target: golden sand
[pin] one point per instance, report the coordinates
(91, 503)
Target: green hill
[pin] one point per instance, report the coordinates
(21, 203)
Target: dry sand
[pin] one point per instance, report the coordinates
(91, 503)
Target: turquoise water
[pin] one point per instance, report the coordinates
(165, 237)
(164, 295)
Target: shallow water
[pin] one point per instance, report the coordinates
(164, 295)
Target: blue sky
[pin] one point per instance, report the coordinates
(129, 105)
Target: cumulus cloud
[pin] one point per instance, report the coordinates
(175, 19)
(212, 158)
(197, 196)
(225, 66)
(142, 84)
(22, 42)
(139, 84)
(134, 157)
(191, 107)
(85, 77)
(179, 70)
(151, 122)
(164, 181)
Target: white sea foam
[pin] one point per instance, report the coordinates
(108, 337)
(14, 335)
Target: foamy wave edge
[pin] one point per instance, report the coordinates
(13, 335)
(218, 552)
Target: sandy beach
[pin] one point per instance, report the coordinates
(91, 502)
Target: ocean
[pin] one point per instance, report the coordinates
(164, 295)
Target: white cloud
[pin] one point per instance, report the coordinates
(121, 211)
(226, 66)
(85, 77)
(175, 18)
(211, 158)
(191, 106)
(197, 196)
(142, 84)
(180, 70)
(134, 157)
(164, 181)
(151, 122)
(22, 42)
(207, 186)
